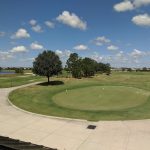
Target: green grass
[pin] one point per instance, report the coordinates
(12, 80)
(125, 105)
(101, 98)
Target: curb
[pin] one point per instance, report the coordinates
(40, 115)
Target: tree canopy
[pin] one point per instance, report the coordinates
(74, 65)
(47, 64)
(88, 67)
(85, 67)
(19, 70)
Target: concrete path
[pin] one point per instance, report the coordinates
(67, 134)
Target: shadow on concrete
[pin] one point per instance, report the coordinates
(51, 83)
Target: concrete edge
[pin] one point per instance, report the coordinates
(54, 117)
(40, 115)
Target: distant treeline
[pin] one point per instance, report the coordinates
(13, 68)
(16, 69)
(126, 69)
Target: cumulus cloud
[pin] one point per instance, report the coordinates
(139, 3)
(120, 55)
(81, 47)
(142, 20)
(99, 41)
(127, 5)
(124, 6)
(49, 24)
(19, 49)
(37, 28)
(21, 33)
(59, 52)
(63, 53)
(112, 48)
(32, 22)
(36, 46)
(137, 53)
(72, 20)
(97, 57)
(2, 34)
(5, 55)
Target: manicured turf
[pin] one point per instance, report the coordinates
(12, 80)
(101, 98)
(45, 99)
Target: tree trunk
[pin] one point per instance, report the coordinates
(48, 79)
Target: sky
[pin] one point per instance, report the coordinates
(108, 31)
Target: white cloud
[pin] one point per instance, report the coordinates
(97, 57)
(81, 47)
(2, 34)
(124, 6)
(50, 24)
(21, 33)
(32, 22)
(120, 54)
(99, 41)
(63, 54)
(127, 5)
(59, 52)
(67, 53)
(18, 49)
(72, 20)
(142, 20)
(5, 55)
(37, 28)
(139, 3)
(112, 48)
(28, 59)
(137, 53)
(36, 46)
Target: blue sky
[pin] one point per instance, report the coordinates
(115, 32)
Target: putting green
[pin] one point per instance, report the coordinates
(96, 98)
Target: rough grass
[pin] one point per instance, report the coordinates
(39, 98)
(17, 79)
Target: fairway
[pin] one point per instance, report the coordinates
(101, 98)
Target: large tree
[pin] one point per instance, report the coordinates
(74, 65)
(0, 69)
(88, 67)
(47, 64)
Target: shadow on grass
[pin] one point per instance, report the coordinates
(51, 83)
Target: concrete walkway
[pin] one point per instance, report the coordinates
(67, 134)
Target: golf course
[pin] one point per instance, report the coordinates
(120, 96)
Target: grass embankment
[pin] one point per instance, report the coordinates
(131, 101)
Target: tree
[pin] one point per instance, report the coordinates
(74, 65)
(107, 69)
(103, 68)
(144, 69)
(88, 67)
(47, 64)
(129, 69)
(19, 70)
(0, 69)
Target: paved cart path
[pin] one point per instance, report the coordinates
(66, 134)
